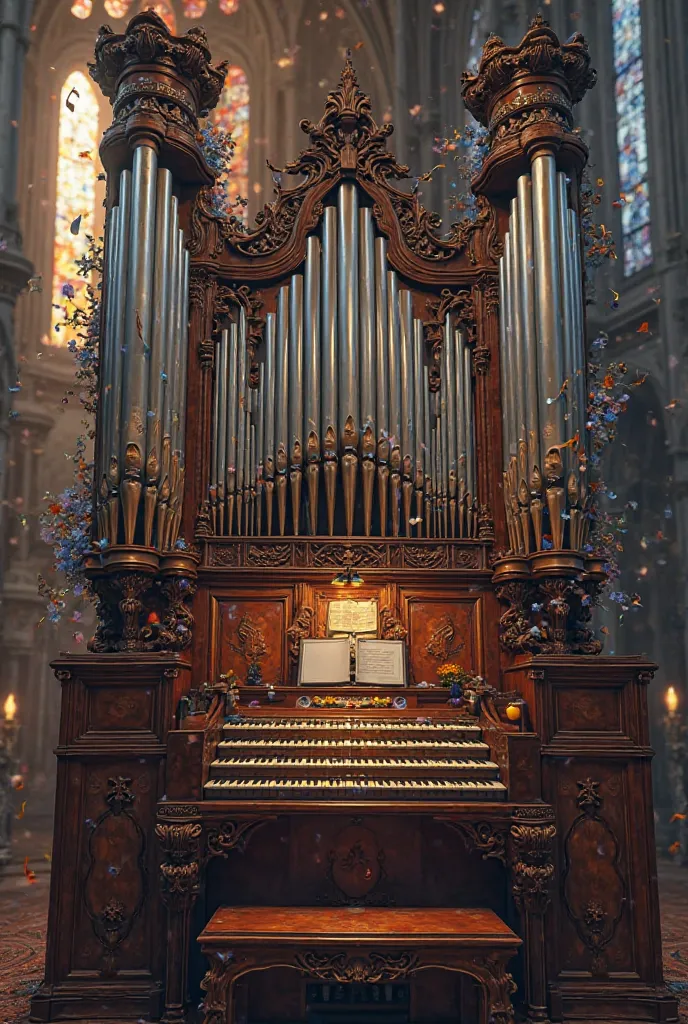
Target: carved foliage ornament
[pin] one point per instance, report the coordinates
(539, 53)
(369, 970)
(532, 864)
(346, 141)
(147, 40)
(232, 835)
(228, 300)
(180, 868)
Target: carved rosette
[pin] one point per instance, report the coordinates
(159, 85)
(531, 857)
(531, 87)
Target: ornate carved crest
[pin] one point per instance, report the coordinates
(444, 642)
(371, 969)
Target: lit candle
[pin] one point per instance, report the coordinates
(671, 700)
(10, 708)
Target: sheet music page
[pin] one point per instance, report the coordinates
(380, 661)
(352, 617)
(324, 661)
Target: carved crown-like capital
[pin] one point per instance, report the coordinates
(148, 41)
(510, 78)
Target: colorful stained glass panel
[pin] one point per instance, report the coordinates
(194, 8)
(229, 6)
(75, 191)
(232, 114)
(626, 33)
(631, 135)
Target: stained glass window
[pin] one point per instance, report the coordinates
(75, 190)
(82, 8)
(631, 135)
(117, 8)
(194, 8)
(232, 113)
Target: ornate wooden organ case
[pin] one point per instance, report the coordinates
(340, 388)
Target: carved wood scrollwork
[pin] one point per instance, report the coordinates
(459, 304)
(251, 303)
(532, 863)
(232, 835)
(369, 970)
(180, 870)
(112, 919)
(595, 903)
(444, 642)
(488, 839)
(300, 629)
(391, 626)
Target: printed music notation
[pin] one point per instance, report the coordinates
(352, 617)
(381, 662)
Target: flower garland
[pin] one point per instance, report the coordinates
(218, 146)
(67, 520)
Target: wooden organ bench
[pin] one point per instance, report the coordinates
(359, 945)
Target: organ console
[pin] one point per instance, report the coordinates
(340, 386)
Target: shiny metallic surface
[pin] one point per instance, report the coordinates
(567, 302)
(281, 375)
(242, 389)
(418, 414)
(367, 325)
(347, 311)
(175, 382)
(393, 356)
(311, 339)
(468, 410)
(159, 332)
(167, 426)
(269, 401)
(504, 373)
(113, 296)
(222, 382)
(462, 391)
(184, 349)
(120, 317)
(517, 326)
(329, 326)
(406, 377)
(510, 409)
(139, 305)
(527, 301)
(295, 370)
(580, 391)
(232, 407)
(547, 301)
(381, 334)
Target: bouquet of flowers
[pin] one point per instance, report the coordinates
(452, 675)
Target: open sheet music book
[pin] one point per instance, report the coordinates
(378, 662)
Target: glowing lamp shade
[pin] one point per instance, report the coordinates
(10, 708)
(671, 700)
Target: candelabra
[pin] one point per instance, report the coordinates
(8, 777)
(676, 732)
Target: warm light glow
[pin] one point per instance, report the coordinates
(117, 8)
(671, 700)
(232, 114)
(194, 8)
(75, 191)
(10, 708)
(82, 8)
(229, 6)
(164, 9)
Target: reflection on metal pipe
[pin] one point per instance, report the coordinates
(329, 431)
(580, 403)
(547, 306)
(367, 337)
(567, 302)
(138, 333)
(223, 356)
(269, 445)
(419, 437)
(311, 427)
(231, 426)
(518, 341)
(393, 356)
(281, 406)
(382, 377)
(113, 298)
(452, 454)
(295, 396)
(260, 444)
(527, 302)
(347, 309)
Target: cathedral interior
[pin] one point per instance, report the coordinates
(161, 867)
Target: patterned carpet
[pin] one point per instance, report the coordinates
(23, 917)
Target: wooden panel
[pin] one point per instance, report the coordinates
(124, 708)
(252, 625)
(588, 710)
(441, 628)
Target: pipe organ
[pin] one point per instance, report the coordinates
(342, 396)
(145, 339)
(342, 433)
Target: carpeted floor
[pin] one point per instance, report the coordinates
(24, 911)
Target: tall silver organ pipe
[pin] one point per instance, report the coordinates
(541, 477)
(330, 434)
(344, 381)
(269, 406)
(347, 309)
(223, 355)
(296, 396)
(311, 369)
(518, 270)
(548, 305)
(281, 406)
(113, 229)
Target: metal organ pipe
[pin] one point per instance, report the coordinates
(452, 457)
(406, 409)
(367, 335)
(281, 406)
(108, 369)
(518, 270)
(578, 383)
(567, 302)
(526, 298)
(419, 436)
(269, 405)
(382, 379)
(137, 333)
(347, 308)
(230, 423)
(548, 305)
(393, 350)
(223, 356)
(311, 426)
(260, 443)
(329, 360)
(295, 395)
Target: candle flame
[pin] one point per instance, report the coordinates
(10, 708)
(671, 700)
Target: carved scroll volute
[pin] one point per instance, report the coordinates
(524, 95)
(159, 85)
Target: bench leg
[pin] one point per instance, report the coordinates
(498, 986)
